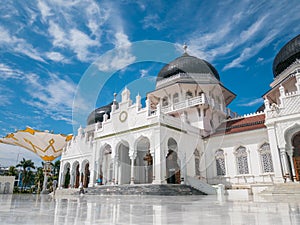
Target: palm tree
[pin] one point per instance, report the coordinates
(55, 169)
(12, 171)
(39, 178)
(25, 176)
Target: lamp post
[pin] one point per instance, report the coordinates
(46, 170)
(19, 170)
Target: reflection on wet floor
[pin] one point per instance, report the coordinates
(45, 209)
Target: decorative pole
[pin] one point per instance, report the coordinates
(46, 170)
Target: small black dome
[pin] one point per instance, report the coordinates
(97, 114)
(287, 55)
(187, 64)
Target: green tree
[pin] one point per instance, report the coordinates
(55, 169)
(12, 171)
(26, 175)
(39, 179)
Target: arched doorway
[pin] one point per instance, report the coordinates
(172, 163)
(296, 154)
(66, 179)
(76, 174)
(106, 166)
(85, 177)
(143, 162)
(123, 173)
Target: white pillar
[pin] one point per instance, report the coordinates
(293, 173)
(116, 171)
(72, 177)
(282, 95)
(132, 158)
(160, 166)
(153, 165)
(276, 156)
(183, 169)
(285, 164)
(113, 180)
(297, 76)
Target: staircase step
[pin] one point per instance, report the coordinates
(284, 189)
(146, 189)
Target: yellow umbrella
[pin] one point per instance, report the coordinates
(46, 145)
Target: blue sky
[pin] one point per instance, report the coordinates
(47, 45)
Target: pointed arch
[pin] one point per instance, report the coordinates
(266, 158)
(143, 170)
(242, 160)
(122, 175)
(220, 162)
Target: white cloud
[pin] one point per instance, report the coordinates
(121, 40)
(240, 33)
(118, 58)
(152, 21)
(143, 72)
(6, 72)
(54, 96)
(6, 96)
(57, 57)
(249, 52)
(12, 155)
(253, 102)
(74, 39)
(80, 43)
(44, 9)
(252, 30)
(260, 59)
(18, 45)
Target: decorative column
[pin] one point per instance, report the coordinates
(132, 158)
(46, 169)
(116, 171)
(159, 161)
(282, 95)
(59, 185)
(297, 76)
(285, 164)
(293, 173)
(183, 169)
(153, 164)
(72, 177)
(138, 104)
(113, 181)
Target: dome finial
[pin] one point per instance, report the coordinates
(185, 47)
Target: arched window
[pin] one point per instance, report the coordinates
(197, 162)
(242, 160)
(266, 158)
(175, 98)
(220, 163)
(165, 101)
(188, 94)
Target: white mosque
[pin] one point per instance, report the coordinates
(185, 134)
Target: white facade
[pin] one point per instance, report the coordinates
(184, 131)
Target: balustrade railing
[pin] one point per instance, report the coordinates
(184, 104)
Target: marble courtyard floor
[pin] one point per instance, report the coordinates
(46, 209)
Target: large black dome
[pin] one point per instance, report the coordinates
(287, 55)
(97, 114)
(187, 64)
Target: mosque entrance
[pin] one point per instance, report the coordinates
(172, 163)
(123, 173)
(143, 162)
(173, 168)
(66, 175)
(86, 176)
(296, 155)
(77, 175)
